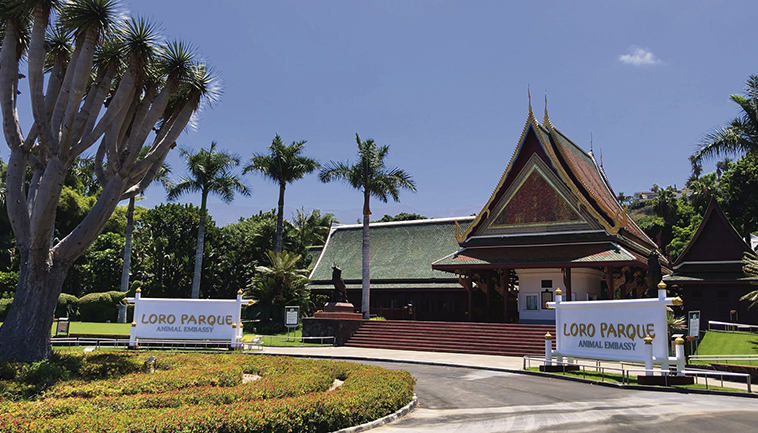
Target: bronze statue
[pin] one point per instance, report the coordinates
(654, 275)
(339, 294)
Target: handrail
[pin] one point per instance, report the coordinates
(731, 327)
(625, 372)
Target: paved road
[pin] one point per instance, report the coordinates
(455, 399)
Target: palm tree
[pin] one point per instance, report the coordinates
(371, 176)
(282, 165)
(276, 286)
(312, 227)
(162, 177)
(741, 134)
(211, 173)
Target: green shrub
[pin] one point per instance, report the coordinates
(204, 392)
(8, 281)
(67, 306)
(5, 305)
(99, 307)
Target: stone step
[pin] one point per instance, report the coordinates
(457, 337)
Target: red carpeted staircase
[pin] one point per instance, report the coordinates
(457, 337)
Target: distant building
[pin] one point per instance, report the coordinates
(709, 273)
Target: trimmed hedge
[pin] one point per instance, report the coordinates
(205, 393)
(99, 307)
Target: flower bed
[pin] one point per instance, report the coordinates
(195, 393)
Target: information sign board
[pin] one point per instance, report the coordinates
(291, 316)
(693, 323)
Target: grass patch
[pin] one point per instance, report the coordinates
(114, 392)
(284, 339)
(619, 379)
(728, 343)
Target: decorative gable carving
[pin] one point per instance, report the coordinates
(537, 201)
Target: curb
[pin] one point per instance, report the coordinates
(532, 373)
(384, 420)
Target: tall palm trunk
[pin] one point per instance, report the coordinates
(25, 334)
(127, 258)
(365, 255)
(279, 220)
(199, 248)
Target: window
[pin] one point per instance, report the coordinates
(532, 302)
(547, 284)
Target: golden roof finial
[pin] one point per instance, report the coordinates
(529, 95)
(590, 143)
(546, 119)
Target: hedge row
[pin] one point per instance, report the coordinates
(205, 393)
(93, 307)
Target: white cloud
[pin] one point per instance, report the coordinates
(639, 57)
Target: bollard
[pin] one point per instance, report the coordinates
(648, 355)
(548, 349)
(679, 352)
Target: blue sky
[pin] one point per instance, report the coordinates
(444, 83)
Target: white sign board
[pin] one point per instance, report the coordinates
(186, 319)
(612, 330)
(291, 316)
(694, 323)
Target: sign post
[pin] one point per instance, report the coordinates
(693, 328)
(291, 317)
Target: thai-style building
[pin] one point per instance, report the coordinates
(709, 275)
(552, 221)
(403, 284)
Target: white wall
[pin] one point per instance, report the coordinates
(584, 283)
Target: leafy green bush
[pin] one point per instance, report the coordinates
(99, 307)
(204, 392)
(5, 304)
(8, 281)
(67, 306)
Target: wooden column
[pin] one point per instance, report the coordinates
(567, 282)
(465, 281)
(609, 281)
(505, 281)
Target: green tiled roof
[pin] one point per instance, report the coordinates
(399, 250)
(591, 254)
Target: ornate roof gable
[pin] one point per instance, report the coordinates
(715, 240)
(537, 201)
(536, 151)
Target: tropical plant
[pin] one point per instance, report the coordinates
(276, 286)
(312, 227)
(371, 176)
(282, 165)
(750, 268)
(740, 136)
(94, 95)
(210, 173)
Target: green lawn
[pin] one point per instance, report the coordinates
(95, 328)
(283, 339)
(617, 378)
(728, 343)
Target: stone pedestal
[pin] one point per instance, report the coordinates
(339, 310)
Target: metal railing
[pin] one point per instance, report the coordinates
(626, 372)
(731, 327)
(749, 358)
(260, 341)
